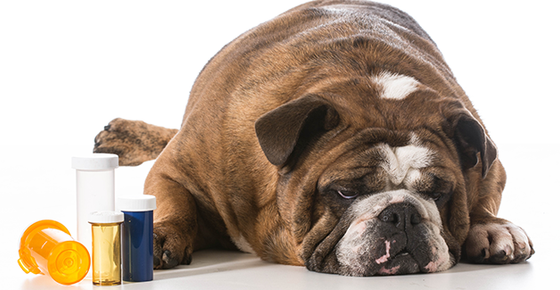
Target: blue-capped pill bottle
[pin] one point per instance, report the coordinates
(137, 237)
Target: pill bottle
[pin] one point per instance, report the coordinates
(95, 189)
(106, 247)
(46, 247)
(137, 237)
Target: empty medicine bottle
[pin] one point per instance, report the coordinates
(95, 189)
(137, 237)
(47, 248)
(106, 247)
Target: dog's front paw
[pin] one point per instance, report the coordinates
(171, 247)
(134, 141)
(497, 243)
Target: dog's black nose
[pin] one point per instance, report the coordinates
(401, 215)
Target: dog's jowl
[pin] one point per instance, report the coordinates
(334, 137)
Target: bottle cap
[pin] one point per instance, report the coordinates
(95, 161)
(106, 217)
(137, 203)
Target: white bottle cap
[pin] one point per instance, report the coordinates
(106, 217)
(137, 203)
(95, 161)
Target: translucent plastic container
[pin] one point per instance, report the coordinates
(95, 189)
(106, 254)
(47, 248)
(138, 237)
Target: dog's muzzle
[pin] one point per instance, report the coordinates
(393, 232)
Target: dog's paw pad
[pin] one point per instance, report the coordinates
(497, 244)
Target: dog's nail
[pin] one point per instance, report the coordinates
(157, 262)
(485, 253)
(168, 261)
(106, 128)
(166, 254)
(187, 260)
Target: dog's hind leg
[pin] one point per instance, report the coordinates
(133, 141)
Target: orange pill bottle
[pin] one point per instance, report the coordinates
(46, 247)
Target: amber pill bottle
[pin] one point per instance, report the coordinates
(106, 247)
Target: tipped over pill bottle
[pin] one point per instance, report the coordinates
(47, 248)
(106, 247)
(95, 189)
(137, 237)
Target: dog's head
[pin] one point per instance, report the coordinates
(376, 187)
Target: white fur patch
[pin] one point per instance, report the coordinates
(395, 86)
(402, 163)
(242, 244)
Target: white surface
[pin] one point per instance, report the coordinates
(68, 67)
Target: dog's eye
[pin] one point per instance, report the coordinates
(435, 196)
(347, 194)
(438, 197)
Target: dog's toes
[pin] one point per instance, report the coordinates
(169, 260)
(134, 141)
(119, 137)
(170, 248)
(497, 244)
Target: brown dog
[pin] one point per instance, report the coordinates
(333, 136)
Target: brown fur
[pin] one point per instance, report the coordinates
(277, 107)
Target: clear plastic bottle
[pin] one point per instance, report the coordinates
(95, 189)
(106, 247)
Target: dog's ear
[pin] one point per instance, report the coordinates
(471, 139)
(293, 125)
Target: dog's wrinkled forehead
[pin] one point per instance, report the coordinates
(382, 166)
(402, 163)
(385, 164)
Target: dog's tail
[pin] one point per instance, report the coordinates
(134, 141)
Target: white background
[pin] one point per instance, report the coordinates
(68, 67)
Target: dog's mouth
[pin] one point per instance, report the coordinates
(402, 263)
(402, 254)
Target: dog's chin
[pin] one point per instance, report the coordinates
(403, 263)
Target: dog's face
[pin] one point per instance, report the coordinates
(388, 195)
(368, 199)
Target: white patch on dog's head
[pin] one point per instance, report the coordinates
(395, 86)
(403, 163)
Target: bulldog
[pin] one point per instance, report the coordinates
(333, 137)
